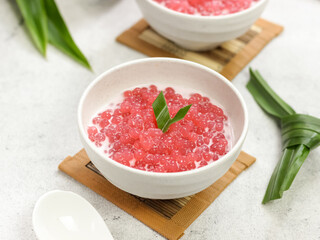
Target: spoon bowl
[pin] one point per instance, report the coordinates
(63, 215)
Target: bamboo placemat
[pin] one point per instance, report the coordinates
(170, 218)
(228, 59)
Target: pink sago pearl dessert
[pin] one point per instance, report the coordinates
(127, 132)
(207, 7)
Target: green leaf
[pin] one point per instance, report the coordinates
(300, 129)
(161, 111)
(59, 35)
(162, 114)
(300, 121)
(268, 100)
(285, 172)
(300, 133)
(35, 18)
(179, 116)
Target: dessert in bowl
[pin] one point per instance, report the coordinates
(123, 165)
(207, 7)
(202, 30)
(126, 130)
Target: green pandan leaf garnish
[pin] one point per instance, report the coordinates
(161, 111)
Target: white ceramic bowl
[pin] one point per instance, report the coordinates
(168, 72)
(199, 33)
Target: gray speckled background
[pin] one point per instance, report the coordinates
(38, 102)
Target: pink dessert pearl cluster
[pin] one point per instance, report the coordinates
(207, 7)
(134, 139)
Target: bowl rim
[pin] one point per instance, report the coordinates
(200, 17)
(220, 161)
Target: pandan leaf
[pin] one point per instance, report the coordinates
(34, 15)
(300, 133)
(268, 100)
(300, 129)
(179, 116)
(59, 35)
(162, 114)
(285, 172)
(300, 121)
(161, 111)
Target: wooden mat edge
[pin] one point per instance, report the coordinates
(136, 43)
(237, 63)
(94, 181)
(207, 196)
(252, 49)
(170, 228)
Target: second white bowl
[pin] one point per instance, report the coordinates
(199, 33)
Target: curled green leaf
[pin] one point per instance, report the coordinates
(300, 129)
(300, 133)
(162, 114)
(300, 121)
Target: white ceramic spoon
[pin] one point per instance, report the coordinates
(61, 215)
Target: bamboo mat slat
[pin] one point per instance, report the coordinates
(170, 218)
(228, 59)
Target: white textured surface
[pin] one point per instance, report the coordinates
(38, 100)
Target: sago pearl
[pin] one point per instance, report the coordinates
(128, 133)
(207, 7)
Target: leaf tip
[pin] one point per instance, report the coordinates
(88, 66)
(251, 71)
(155, 102)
